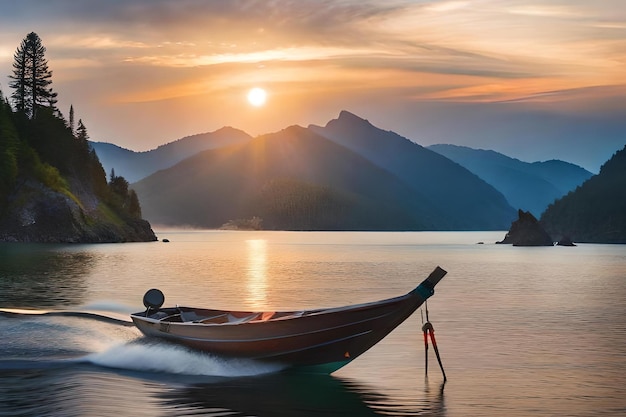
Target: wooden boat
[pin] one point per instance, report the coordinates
(322, 339)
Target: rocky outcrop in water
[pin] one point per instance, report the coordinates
(527, 231)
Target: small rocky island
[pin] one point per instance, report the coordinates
(527, 231)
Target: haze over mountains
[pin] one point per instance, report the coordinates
(136, 165)
(347, 175)
(459, 197)
(527, 186)
(292, 179)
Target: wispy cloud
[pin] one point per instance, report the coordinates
(543, 10)
(306, 51)
(446, 6)
(512, 38)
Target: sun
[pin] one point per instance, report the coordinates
(257, 96)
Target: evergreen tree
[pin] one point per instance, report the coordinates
(71, 121)
(119, 186)
(134, 208)
(81, 132)
(19, 96)
(31, 77)
(83, 148)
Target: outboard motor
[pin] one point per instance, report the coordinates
(153, 300)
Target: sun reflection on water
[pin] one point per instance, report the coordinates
(257, 272)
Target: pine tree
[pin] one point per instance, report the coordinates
(71, 121)
(31, 77)
(82, 139)
(134, 208)
(19, 96)
(81, 131)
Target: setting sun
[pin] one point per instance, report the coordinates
(257, 96)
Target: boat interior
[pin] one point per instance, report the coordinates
(204, 316)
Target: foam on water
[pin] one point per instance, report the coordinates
(110, 306)
(111, 343)
(168, 358)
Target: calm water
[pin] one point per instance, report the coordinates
(522, 331)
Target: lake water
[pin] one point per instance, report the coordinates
(521, 331)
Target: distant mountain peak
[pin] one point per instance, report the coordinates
(294, 129)
(345, 114)
(346, 120)
(351, 118)
(225, 130)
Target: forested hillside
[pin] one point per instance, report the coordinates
(52, 185)
(595, 211)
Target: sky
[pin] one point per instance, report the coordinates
(535, 80)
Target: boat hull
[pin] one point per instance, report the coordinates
(326, 339)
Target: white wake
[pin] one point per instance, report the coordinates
(173, 359)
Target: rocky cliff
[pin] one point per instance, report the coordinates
(37, 213)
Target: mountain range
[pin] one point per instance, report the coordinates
(459, 198)
(292, 179)
(347, 174)
(527, 186)
(137, 165)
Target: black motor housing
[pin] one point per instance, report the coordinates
(153, 299)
